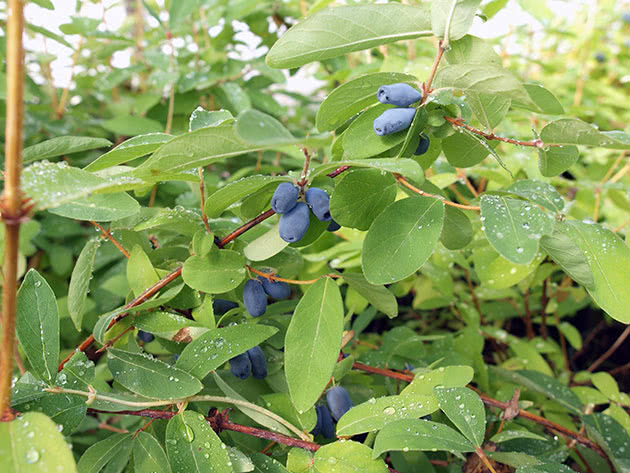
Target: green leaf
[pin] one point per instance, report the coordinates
(148, 455)
(448, 377)
(80, 282)
(347, 457)
(360, 196)
(32, 444)
(193, 447)
(28, 388)
(412, 139)
(464, 408)
(360, 140)
(150, 377)
(406, 167)
(607, 385)
(312, 342)
(612, 437)
(132, 125)
(457, 232)
(44, 4)
(215, 347)
(488, 79)
(420, 435)
(45, 32)
(140, 271)
(507, 435)
(379, 296)
(201, 118)
(456, 15)
(170, 326)
(496, 272)
(180, 10)
(68, 192)
(178, 219)
(605, 252)
(37, 325)
(545, 101)
(101, 453)
(62, 145)
(265, 246)
(376, 413)
(555, 160)
(566, 253)
(265, 464)
(401, 239)
(352, 97)
(237, 190)
(545, 468)
(463, 151)
(514, 227)
(129, 150)
(540, 192)
(218, 271)
(572, 131)
(543, 384)
(343, 29)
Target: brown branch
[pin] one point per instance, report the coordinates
(405, 182)
(462, 175)
(273, 277)
(12, 203)
(307, 162)
(611, 350)
(66, 91)
(148, 293)
(108, 236)
(491, 136)
(426, 86)
(243, 228)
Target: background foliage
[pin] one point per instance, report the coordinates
(496, 261)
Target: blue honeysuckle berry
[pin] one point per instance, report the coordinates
(275, 289)
(254, 298)
(293, 224)
(600, 57)
(325, 422)
(401, 95)
(393, 120)
(333, 226)
(284, 198)
(338, 401)
(423, 145)
(319, 202)
(221, 306)
(145, 337)
(258, 362)
(241, 366)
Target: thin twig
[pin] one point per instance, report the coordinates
(12, 202)
(611, 350)
(426, 87)
(273, 277)
(462, 175)
(202, 191)
(405, 182)
(473, 294)
(108, 236)
(61, 109)
(480, 453)
(307, 162)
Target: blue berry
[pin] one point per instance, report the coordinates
(423, 145)
(241, 366)
(401, 95)
(254, 298)
(293, 224)
(325, 425)
(393, 120)
(284, 198)
(626, 17)
(258, 361)
(319, 202)
(333, 226)
(275, 289)
(145, 337)
(600, 57)
(338, 401)
(221, 306)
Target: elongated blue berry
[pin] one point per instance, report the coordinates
(423, 145)
(333, 226)
(319, 202)
(338, 401)
(241, 366)
(401, 95)
(393, 120)
(275, 289)
(325, 424)
(145, 337)
(258, 361)
(221, 306)
(254, 298)
(293, 224)
(284, 198)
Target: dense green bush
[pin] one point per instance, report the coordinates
(468, 314)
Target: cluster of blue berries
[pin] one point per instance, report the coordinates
(294, 219)
(398, 119)
(251, 362)
(339, 403)
(256, 291)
